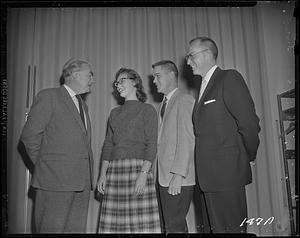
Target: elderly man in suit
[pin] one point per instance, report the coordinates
(57, 138)
(226, 129)
(174, 168)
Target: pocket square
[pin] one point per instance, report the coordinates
(209, 101)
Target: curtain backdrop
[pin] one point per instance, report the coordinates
(257, 41)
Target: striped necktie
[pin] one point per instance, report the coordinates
(80, 108)
(163, 108)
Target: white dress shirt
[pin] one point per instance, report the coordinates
(75, 100)
(206, 79)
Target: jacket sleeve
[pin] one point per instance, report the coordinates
(239, 103)
(185, 137)
(37, 120)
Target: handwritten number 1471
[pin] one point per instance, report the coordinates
(258, 221)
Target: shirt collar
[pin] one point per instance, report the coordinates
(70, 90)
(169, 95)
(210, 73)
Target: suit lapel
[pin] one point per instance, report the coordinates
(88, 121)
(168, 108)
(72, 107)
(158, 113)
(170, 104)
(207, 89)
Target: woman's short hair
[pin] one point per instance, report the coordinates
(135, 77)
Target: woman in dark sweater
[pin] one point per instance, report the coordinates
(129, 203)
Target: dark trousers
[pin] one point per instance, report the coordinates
(61, 212)
(175, 208)
(201, 214)
(226, 210)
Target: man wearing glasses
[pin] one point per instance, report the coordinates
(226, 131)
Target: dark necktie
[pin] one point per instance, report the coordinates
(80, 108)
(163, 108)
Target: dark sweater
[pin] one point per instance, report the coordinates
(131, 132)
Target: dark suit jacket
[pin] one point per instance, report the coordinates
(58, 143)
(226, 128)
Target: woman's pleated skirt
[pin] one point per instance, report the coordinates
(121, 210)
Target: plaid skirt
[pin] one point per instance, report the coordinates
(121, 210)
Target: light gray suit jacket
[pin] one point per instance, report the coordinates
(58, 143)
(176, 141)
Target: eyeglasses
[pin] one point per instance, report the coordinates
(120, 81)
(188, 56)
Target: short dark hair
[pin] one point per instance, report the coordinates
(134, 76)
(209, 43)
(167, 64)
